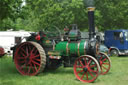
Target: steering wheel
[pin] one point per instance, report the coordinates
(52, 32)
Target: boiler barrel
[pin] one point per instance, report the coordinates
(72, 48)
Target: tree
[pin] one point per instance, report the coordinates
(114, 13)
(9, 9)
(60, 14)
(38, 14)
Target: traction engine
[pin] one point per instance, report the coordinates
(49, 50)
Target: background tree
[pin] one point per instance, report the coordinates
(38, 14)
(9, 11)
(114, 14)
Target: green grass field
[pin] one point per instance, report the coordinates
(118, 75)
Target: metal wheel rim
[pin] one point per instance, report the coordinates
(28, 59)
(91, 74)
(105, 63)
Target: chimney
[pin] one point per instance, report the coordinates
(91, 22)
(90, 6)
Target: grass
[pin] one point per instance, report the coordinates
(118, 75)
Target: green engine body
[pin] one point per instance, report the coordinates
(72, 48)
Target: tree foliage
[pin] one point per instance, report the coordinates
(114, 13)
(38, 14)
(9, 11)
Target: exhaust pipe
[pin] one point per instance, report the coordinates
(90, 6)
(91, 22)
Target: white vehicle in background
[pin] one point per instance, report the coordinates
(10, 38)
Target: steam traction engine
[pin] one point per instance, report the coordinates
(46, 50)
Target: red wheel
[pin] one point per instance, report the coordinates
(105, 63)
(29, 58)
(86, 68)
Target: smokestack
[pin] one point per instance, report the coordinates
(90, 6)
(91, 22)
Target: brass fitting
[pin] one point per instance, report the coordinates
(91, 8)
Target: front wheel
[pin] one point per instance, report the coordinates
(86, 68)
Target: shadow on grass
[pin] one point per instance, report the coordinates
(61, 70)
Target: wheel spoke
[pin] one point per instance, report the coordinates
(81, 63)
(36, 56)
(79, 66)
(101, 69)
(91, 74)
(93, 71)
(22, 54)
(35, 67)
(104, 59)
(34, 62)
(35, 51)
(92, 66)
(37, 59)
(85, 61)
(29, 68)
(89, 62)
(86, 75)
(83, 75)
(105, 63)
(29, 47)
(29, 62)
(20, 57)
(26, 68)
(104, 67)
(23, 66)
(23, 50)
(32, 50)
(27, 51)
(80, 71)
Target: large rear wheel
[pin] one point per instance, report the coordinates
(86, 68)
(30, 58)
